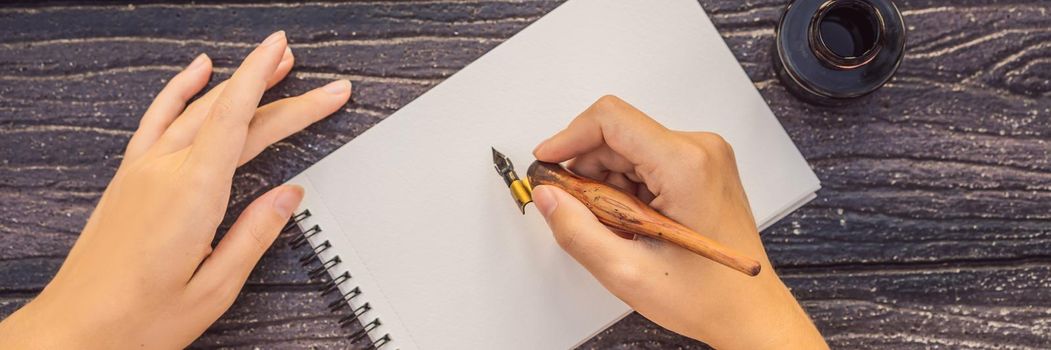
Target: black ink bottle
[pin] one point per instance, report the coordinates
(833, 51)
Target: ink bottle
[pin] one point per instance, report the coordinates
(831, 52)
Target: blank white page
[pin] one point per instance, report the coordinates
(430, 232)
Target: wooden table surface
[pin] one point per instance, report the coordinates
(933, 229)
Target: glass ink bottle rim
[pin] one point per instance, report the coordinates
(813, 70)
(820, 45)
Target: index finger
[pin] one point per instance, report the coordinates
(219, 142)
(613, 122)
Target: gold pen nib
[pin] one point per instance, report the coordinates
(520, 189)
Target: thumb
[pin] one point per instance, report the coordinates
(228, 267)
(580, 233)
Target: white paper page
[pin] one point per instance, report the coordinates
(430, 231)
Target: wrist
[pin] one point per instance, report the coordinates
(763, 314)
(40, 324)
(791, 327)
(24, 329)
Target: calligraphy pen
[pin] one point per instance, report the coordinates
(617, 210)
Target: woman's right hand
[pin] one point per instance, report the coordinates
(692, 178)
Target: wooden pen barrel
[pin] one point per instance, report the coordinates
(625, 212)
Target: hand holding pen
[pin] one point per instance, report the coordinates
(691, 177)
(620, 211)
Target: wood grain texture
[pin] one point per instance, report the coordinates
(628, 215)
(933, 229)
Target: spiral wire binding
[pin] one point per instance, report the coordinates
(301, 240)
(333, 284)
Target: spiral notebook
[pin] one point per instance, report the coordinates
(421, 237)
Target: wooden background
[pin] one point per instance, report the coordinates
(933, 229)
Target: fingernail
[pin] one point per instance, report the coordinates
(539, 146)
(288, 199)
(273, 38)
(197, 62)
(544, 198)
(287, 55)
(337, 87)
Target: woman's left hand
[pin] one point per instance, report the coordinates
(143, 273)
